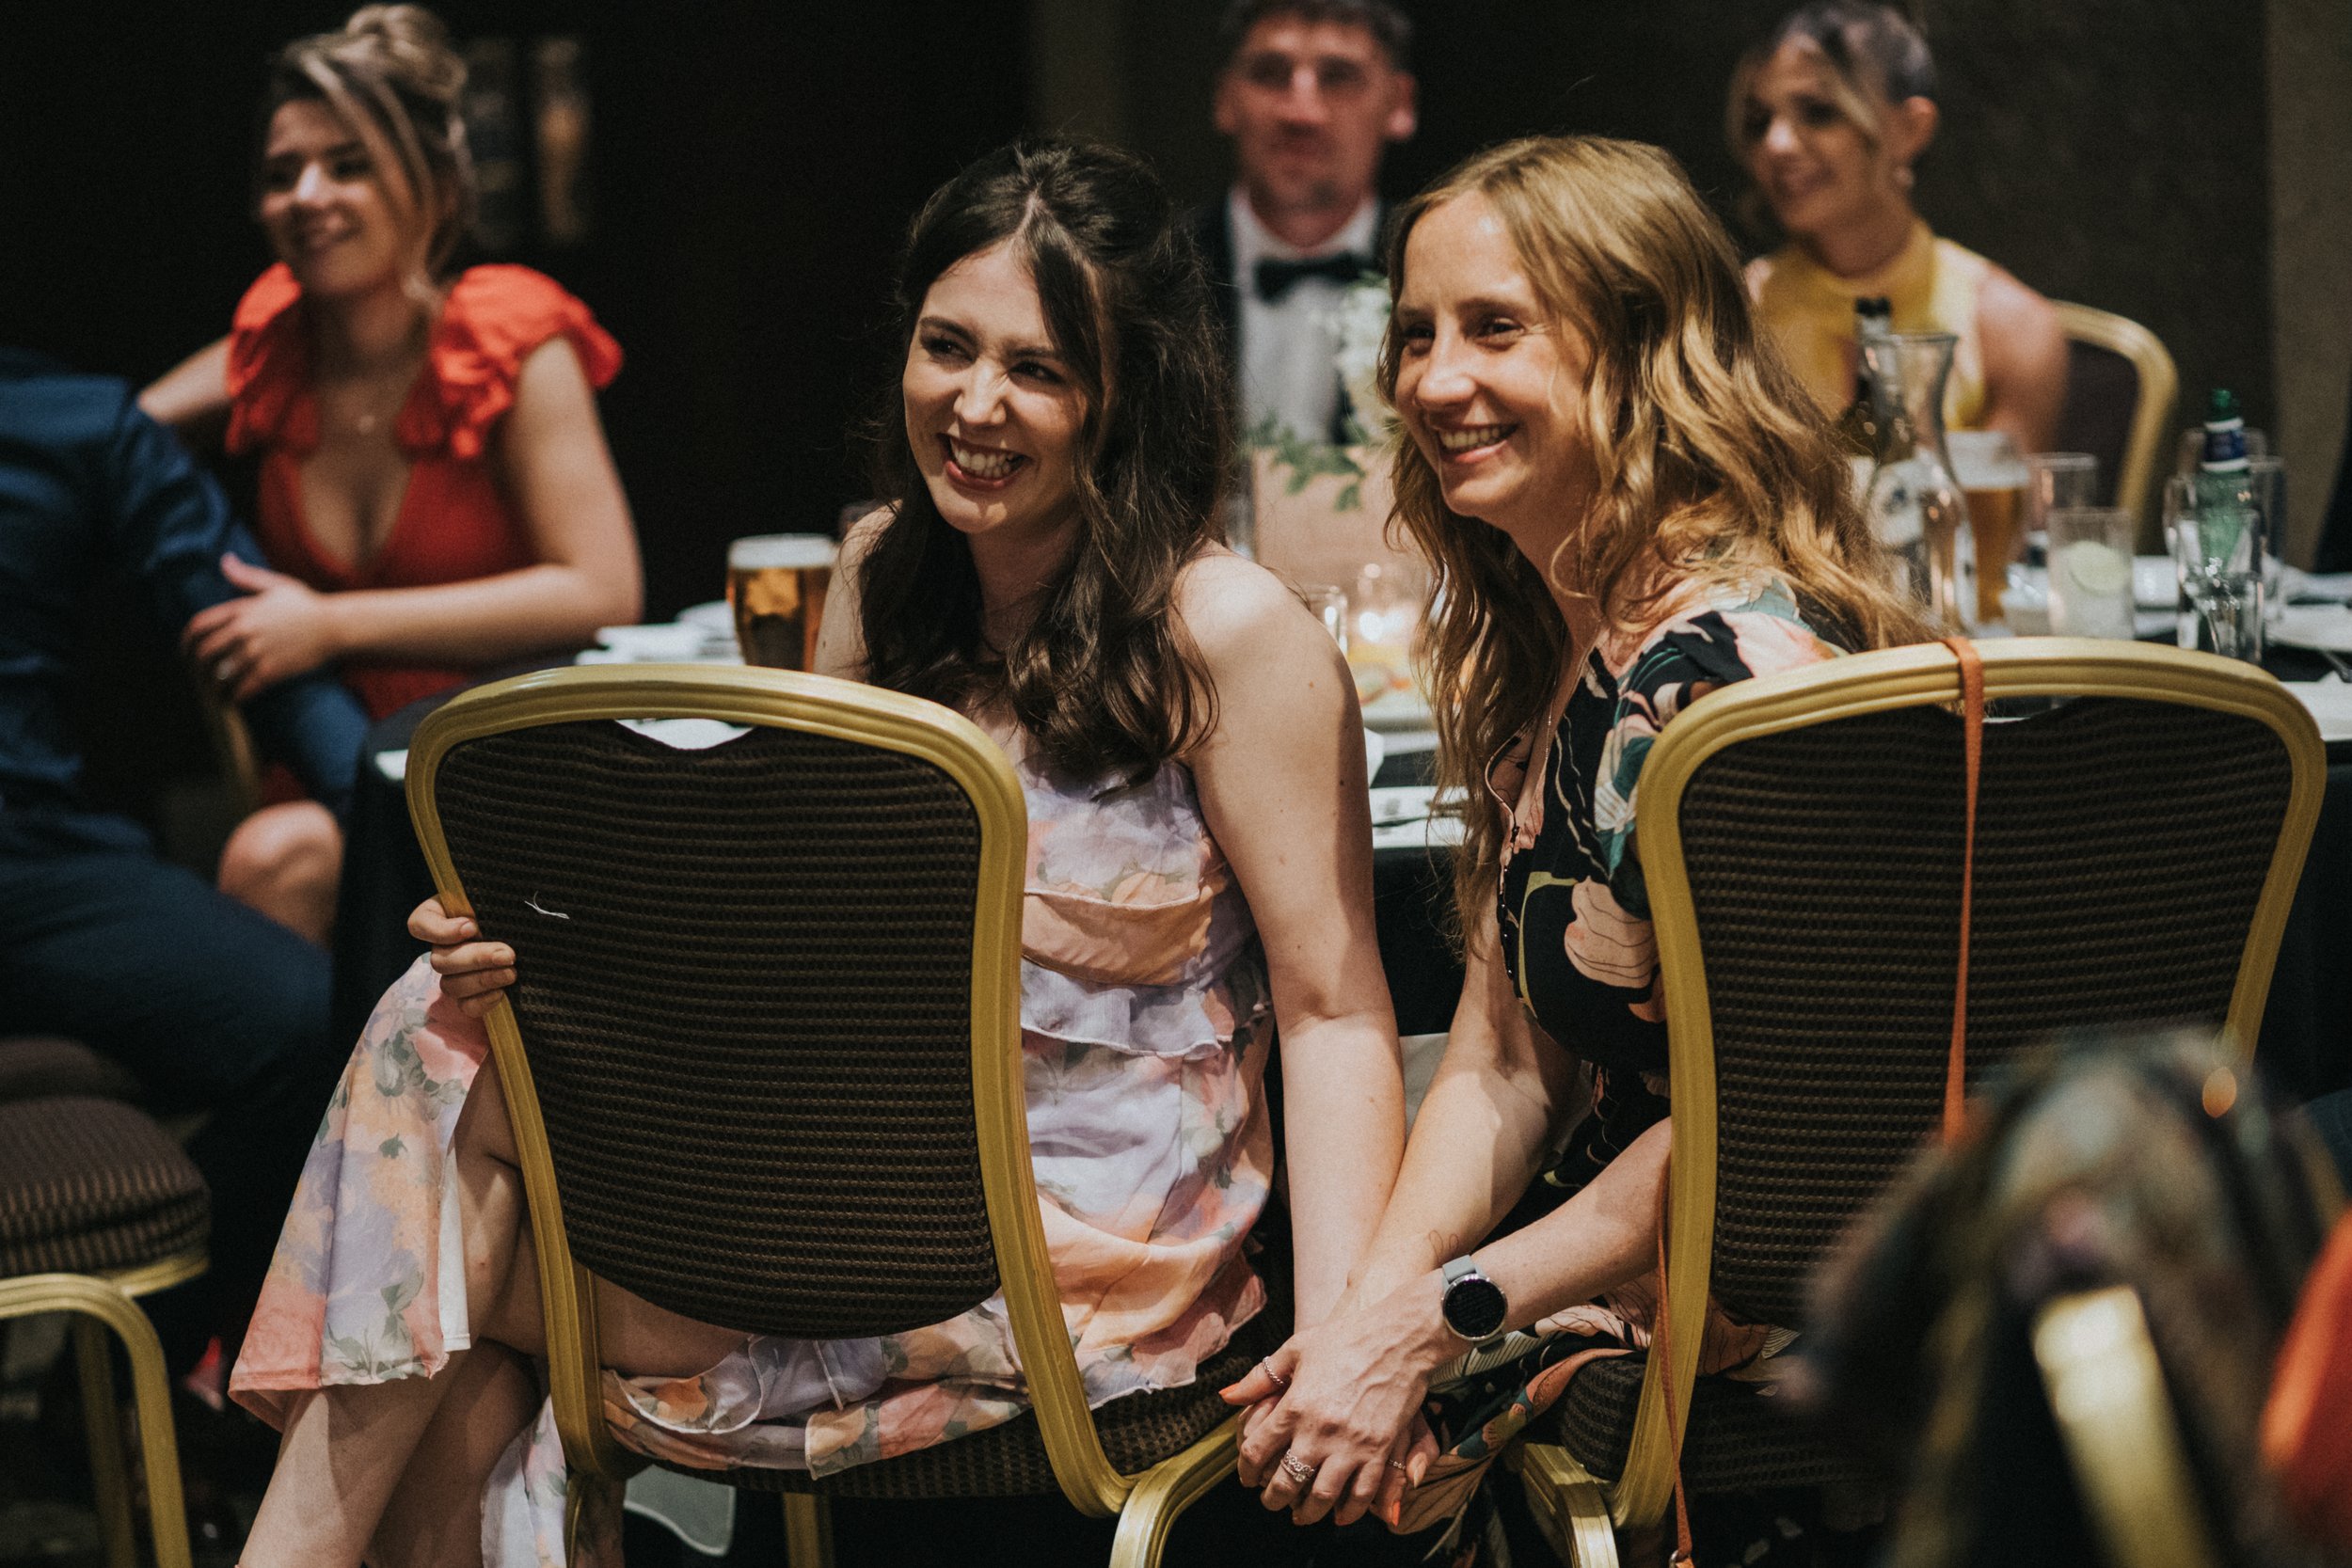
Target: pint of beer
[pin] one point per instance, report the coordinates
(1992, 479)
(777, 582)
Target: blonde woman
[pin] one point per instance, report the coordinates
(436, 495)
(1628, 503)
(1828, 114)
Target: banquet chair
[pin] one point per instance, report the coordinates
(2121, 387)
(98, 1207)
(2139, 837)
(763, 1061)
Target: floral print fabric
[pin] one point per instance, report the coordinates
(1574, 913)
(1145, 1031)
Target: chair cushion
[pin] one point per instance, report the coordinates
(90, 1185)
(33, 1067)
(1741, 1437)
(1139, 1431)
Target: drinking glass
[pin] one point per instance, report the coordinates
(1993, 481)
(2091, 571)
(2218, 555)
(1328, 604)
(2055, 480)
(776, 583)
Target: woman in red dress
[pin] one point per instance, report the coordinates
(436, 493)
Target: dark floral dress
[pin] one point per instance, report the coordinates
(1574, 913)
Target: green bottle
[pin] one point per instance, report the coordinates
(2224, 495)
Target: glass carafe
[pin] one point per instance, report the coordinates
(1916, 504)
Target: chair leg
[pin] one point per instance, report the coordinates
(101, 1420)
(1569, 1506)
(1166, 1491)
(807, 1531)
(89, 1297)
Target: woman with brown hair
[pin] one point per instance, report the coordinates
(1200, 872)
(436, 495)
(1628, 503)
(1827, 115)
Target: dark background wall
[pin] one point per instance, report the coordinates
(2113, 152)
(753, 166)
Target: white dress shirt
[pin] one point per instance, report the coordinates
(1287, 348)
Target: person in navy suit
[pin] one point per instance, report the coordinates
(212, 1007)
(1311, 93)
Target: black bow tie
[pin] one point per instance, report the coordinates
(1275, 276)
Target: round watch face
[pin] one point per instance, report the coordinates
(1474, 1307)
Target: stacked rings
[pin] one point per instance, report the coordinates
(1297, 1469)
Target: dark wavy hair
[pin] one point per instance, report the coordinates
(1104, 680)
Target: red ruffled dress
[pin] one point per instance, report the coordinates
(455, 521)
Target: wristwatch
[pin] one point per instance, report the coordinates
(1474, 1304)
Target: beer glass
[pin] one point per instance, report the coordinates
(776, 583)
(1993, 481)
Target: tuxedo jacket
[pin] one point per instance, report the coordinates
(1212, 225)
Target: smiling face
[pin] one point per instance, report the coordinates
(341, 218)
(1490, 380)
(1310, 105)
(1820, 170)
(993, 410)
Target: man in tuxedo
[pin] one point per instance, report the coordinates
(1311, 92)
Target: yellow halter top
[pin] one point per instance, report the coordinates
(1807, 310)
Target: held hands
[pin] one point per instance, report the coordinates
(280, 629)
(474, 974)
(1334, 1425)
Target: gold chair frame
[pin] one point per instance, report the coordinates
(1576, 1509)
(1146, 1505)
(108, 1300)
(2145, 450)
(2117, 1423)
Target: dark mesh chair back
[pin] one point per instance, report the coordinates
(2122, 846)
(2101, 401)
(744, 994)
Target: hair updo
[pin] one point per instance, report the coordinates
(391, 75)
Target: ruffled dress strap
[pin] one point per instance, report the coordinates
(269, 369)
(493, 319)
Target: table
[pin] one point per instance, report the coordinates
(2305, 1049)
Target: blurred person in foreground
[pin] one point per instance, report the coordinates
(1187, 739)
(436, 496)
(1311, 93)
(1628, 503)
(1828, 114)
(211, 1007)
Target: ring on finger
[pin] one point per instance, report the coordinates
(1280, 1383)
(1297, 1469)
(1400, 1465)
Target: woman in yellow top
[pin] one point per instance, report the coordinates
(1828, 114)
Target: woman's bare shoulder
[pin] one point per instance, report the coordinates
(1231, 605)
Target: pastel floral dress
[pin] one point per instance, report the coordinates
(1145, 1029)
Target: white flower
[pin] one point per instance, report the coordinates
(1357, 324)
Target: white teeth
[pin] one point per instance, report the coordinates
(1479, 435)
(983, 464)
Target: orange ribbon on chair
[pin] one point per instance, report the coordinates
(1972, 720)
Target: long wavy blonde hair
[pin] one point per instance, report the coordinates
(1711, 462)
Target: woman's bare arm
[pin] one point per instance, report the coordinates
(2024, 362)
(192, 397)
(1283, 788)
